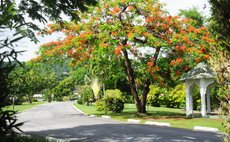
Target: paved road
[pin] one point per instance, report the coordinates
(61, 120)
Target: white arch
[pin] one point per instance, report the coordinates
(203, 83)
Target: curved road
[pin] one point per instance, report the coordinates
(60, 120)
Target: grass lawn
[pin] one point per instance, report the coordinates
(176, 117)
(23, 107)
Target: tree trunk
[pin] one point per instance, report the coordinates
(140, 104)
(144, 95)
(29, 99)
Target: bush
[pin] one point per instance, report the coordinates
(153, 97)
(114, 104)
(112, 101)
(80, 101)
(100, 105)
(177, 96)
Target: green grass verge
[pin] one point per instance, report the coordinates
(176, 117)
(23, 106)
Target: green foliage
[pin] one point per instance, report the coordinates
(17, 138)
(220, 27)
(8, 123)
(47, 94)
(113, 93)
(195, 14)
(30, 79)
(153, 97)
(100, 105)
(177, 96)
(114, 104)
(220, 19)
(80, 101)
(64, 88)
(112, 101)
(86, 94)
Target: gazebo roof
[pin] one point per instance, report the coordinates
(201, 70)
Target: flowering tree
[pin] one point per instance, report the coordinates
(152, 45)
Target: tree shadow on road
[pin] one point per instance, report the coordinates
(127, 133)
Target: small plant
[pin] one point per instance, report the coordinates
(8, 123)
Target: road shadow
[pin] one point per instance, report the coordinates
(128, 133)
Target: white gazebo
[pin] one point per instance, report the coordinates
(203, 77)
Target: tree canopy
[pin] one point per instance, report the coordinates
(152, 45)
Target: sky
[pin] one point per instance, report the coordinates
(172, 6)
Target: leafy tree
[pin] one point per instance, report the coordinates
(220, 55)
(152, 45)
(64, 88)
(220, 20)
(29, 79)
(195, 14)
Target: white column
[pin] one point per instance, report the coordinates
(208, 101)
(202, 95)
(189, 108)
(190, 101)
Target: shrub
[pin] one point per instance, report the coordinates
(114, 101)
(80, 101)
(100, 105)
(177, 96)
(114, 104)
(153, 97)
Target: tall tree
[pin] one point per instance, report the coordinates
(195, 14)
(220, 61)
(153, 46)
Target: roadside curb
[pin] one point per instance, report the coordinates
(205, 129)
(51, 139)
(163, 124)
(78, 109)
(134, 121)
(106, 116)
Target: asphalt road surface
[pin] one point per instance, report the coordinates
(60, 120)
